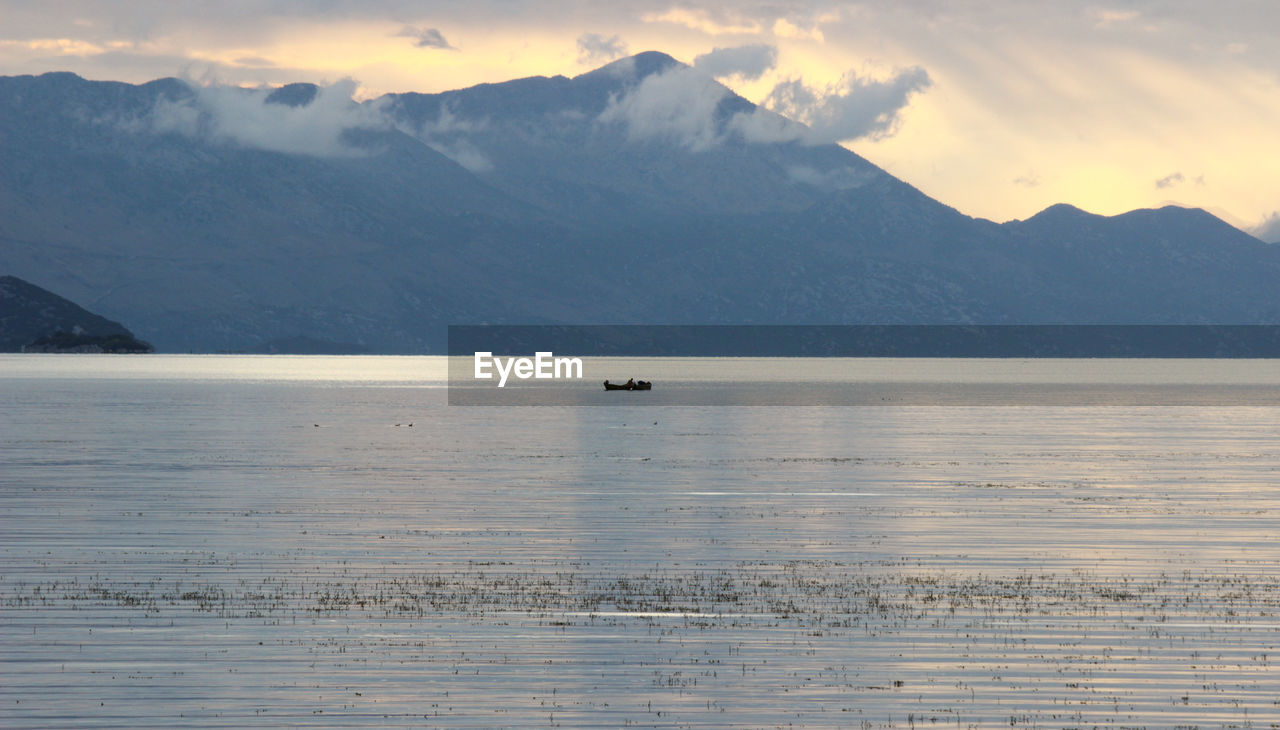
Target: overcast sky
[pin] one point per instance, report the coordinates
(1000, 107)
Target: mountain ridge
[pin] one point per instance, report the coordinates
(296, 94)
(217, 219)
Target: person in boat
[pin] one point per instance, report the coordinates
(606, 383)
(631, 382)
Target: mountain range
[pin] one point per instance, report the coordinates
(215, 218)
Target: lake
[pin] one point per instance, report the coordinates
(323, 541)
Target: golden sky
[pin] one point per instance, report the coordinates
(1107, 106)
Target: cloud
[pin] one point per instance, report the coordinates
(1030, 180)
(762, 126)
(711, 22)
(784, 28)
(853, 108)
(448, 135)
(233, 115)
(678, 104)
(1079, 85)
(682, 104)
(425, 37)
(464, 153)
(1107, 17)
(747, 62)
(594, 49)
(447, 122)
(1170, 180)
(840, 178)
(1269, 229)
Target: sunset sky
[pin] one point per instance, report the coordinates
(1006, 106)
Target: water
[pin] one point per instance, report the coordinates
(249, 541)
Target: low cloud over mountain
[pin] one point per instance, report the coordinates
(262, 119)
(215, 218)
(747, 62)
(853, 108)
(1269, 229)
(679, 105)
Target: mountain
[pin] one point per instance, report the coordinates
(29, 314)
(220, 219)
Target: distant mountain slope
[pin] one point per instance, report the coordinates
(544, 141)
(28, 313)
(219, 219)
(216, 246)
(1145, 263)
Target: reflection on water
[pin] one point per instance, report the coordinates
(261, 541)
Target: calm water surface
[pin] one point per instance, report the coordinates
(265, 541)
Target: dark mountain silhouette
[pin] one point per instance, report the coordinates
(31, 316)
(222, 221)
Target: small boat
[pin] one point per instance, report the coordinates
(629, 385)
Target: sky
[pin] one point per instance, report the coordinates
(999, 108)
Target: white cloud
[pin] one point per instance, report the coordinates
(1170, 180)
(855, 107)
(1269, 229)
(681, 105)
(464, 153)
(230, 114)
(448, 122)
(840, 178)
(678, 104)
(235, 115)
(595, 49)
(762, 126)
(623, 68)
(448, 135)
(748, 62)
